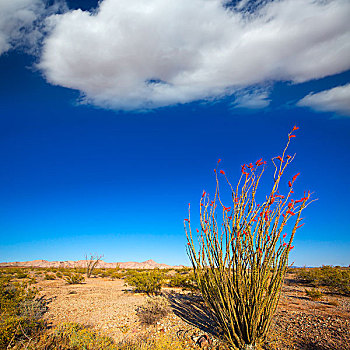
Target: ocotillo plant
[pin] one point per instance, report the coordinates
(91, 263)
(240, 265)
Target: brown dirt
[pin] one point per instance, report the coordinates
(299, 323)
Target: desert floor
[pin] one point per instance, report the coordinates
(110, 306)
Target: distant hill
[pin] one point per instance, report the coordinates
(149, 264)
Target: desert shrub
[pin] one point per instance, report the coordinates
(314, 294)
(149, 282)
(241, 256)
(109, 273)
(20, 312)
(74, 278)
(186, 281)
(153, 311)
(49, 276)
(21, 275)
(161, 342)
(59, 274)
(336, 279)
(72, 336)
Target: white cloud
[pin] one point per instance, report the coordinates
(20, 22)
(252, 98)
(333, 100)
(16, 20)
(135, 54)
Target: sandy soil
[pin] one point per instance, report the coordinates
(110, 306)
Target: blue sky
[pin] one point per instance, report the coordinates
(106, 133)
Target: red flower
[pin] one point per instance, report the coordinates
(203, 194)
(295, 127)
(268, 238)
(284, 244)
(258, 162)
(290, 136)
(214, 170)
(197, 230)
(288, 156)
(219, 160)
(222, 172)
(290, 248)
(188, 243)
(280, 158)
(289, 184)
(285, 235)
(227, 208)
(202, 204)
(259, 250)
(300, 226)
(206, 221)
(187, 220)
(295, 176)
(290, 212)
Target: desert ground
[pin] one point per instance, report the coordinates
(111, 306)
(106, 303)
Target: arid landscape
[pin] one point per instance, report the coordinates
(108, 305)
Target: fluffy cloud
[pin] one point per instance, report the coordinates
(333, 100)
(17, 19)
(137, 54)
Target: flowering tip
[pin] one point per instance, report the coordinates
(290, 136)
(219, 160)
(295, 127)
(289, 183)
(222, 172)
(290, 248)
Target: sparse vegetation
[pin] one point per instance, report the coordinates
(314, 294)
(185, 280)
(74, 278)
(153, 311)
(20, 312)
(149, 282)
(335, 279)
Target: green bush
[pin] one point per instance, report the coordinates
(72, 336)
(149, 282)
(186, 281)
(74, 278)
(314, 294)
(49, 276)
(336, 279)
(20, 312)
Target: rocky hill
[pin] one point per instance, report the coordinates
(149, 264)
